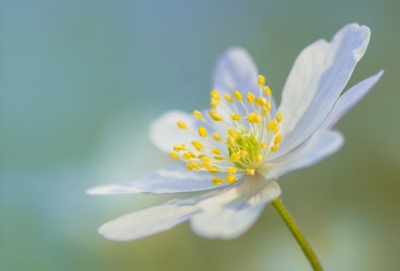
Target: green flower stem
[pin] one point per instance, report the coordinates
(305, 246)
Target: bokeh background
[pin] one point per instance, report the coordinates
(81, 81)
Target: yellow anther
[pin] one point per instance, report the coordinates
(250, 97)
(211, 168)
(187, 156)
(267, 91)
(264, 111)
(276, 130)
(261, 80)
(217, 157)
(181, 125)
(215, 95)
(254, 118)
(217, 137)
(233, 132)
(262, 101)
(198, 115)
(268, 106)
(201, 156)
(271, 125)
(174, 155)
(197, 145)
(231, 170)
(192, 155)
(202, 131)
(230, 178)
(263, 145)
(215, 116)
(243, 153)
(228, 97)
(217, 181)
(195, 165)
(235, 157)
(235, 116)
(216, 151)
(278, 117)
(274, 148)
(189, 167)
(278, 139)
(238, 95)
(213, 103)
(179, 147)
(258, 158)
(231, 142)
(206, 159)
(250, 171)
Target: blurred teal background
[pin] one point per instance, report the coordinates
(81, 81)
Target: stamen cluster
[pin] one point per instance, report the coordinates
(248, 139)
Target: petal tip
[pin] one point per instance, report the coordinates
(93, 191)
(357, 26)
(110, 234)
(217, 234)
(235, 55)
(236, 50)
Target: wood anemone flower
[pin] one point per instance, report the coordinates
(234, 152)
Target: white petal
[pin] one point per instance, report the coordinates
(149, 221)
(247, 201)
(318, 76)
(322, 144)
(235, 217)
(174, 179)
(164, 132)
(235, 70)
(349, 99)
(163, 217)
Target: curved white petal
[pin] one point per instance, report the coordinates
(235, 70)
(349, 99)
(322, 144)
(319, 74)
(149, 221)
(240, 203)
(163, 217)
(232, 219)
(175, 179)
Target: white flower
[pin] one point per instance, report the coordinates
(235, 152)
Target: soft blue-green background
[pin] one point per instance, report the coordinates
(81, 81)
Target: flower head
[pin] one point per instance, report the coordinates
(250, 133)
(234, 152)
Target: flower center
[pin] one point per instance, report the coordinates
(249, 135)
